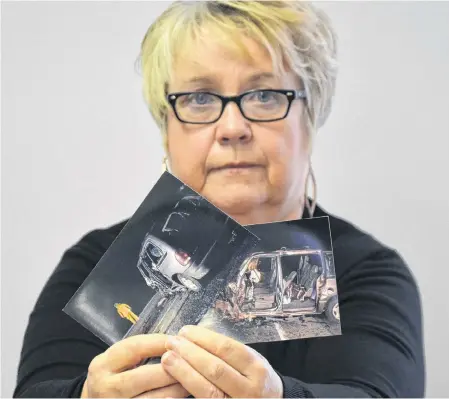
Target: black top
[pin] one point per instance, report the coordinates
(380, 351)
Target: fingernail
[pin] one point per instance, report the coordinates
(168, 358)
(184, 331)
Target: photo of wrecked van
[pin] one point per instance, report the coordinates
(283, 284)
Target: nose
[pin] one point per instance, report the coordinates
(232, 127)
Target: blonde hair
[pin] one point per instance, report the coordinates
(295, 33)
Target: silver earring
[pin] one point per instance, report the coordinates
(310, 205)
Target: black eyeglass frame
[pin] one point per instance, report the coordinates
(225, 100)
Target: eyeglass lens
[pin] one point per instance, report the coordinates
(205, 107)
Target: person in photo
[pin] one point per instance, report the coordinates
(126, 312)
(252, 276)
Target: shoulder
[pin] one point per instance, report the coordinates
(374, 280)
(369, 270)
(380, 308)
(94, 243)
(354, 246)
(78, 260)
(49, 326)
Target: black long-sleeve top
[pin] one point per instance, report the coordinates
(379, 353)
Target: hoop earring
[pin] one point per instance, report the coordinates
(310, 205)
(164, 164)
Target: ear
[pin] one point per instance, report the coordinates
(165, 166)
(310, 205)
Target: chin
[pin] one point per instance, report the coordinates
(237, 201)
(235, 206)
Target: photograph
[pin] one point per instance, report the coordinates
(166, 267)
(286, 289)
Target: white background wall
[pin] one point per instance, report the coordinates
(79, 150)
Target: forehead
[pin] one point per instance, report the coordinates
(220, 63)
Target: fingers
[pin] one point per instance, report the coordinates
(189, 378)
(114, 373)
(237, 355)
(172, 391)
(141, 379)
(131, 351)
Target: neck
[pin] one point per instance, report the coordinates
(259, 216)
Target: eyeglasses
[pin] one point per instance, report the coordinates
(256, 105)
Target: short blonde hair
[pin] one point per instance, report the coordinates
(295, 33)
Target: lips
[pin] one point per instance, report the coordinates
(240, 165)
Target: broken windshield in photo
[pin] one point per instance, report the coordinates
(285, 289)
(165, 268)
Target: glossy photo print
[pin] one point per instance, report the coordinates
(166, 267)
(285, 289)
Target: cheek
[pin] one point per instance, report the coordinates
(287, 155)
(287, 150)
(188, 149)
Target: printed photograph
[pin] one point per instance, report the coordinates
(286, 289)
(165, 269)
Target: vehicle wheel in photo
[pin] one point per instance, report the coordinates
(333, 310)
(189, 282)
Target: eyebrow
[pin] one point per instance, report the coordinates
(260, 76)
(255, 78)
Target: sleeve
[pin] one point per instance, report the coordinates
(56, 349)
(380, 352)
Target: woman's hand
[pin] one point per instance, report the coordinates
(211, 365)
(113, 374)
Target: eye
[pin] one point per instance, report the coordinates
(200, 98)
(262, 97)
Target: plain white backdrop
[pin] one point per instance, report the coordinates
(80, 151)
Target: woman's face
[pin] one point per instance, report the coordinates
(255, 172)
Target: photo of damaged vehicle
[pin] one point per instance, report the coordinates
(282, 284)
(174, 259)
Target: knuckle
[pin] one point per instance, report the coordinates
(127, 344)
(180, 392)
(110, 388)
(122, 349)
(248, 392)
(131, 345)
(264, 374)
(102, 393)
(225, 348)
(214, 392)
(98, 391)
(254, 356)
(217, 372)
(260, 369)
(121, 383)
(255, 391)
(95, 365)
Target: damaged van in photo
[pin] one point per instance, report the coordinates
(282, 284)
(174, 257)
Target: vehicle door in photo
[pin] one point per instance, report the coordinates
(257, 287)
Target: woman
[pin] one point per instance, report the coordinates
(239, 90)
